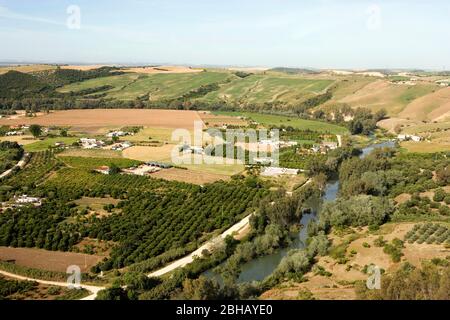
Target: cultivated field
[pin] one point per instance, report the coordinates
(189, 176)
(93, 120)
(48, 260)
(27, 68)
(162, 69)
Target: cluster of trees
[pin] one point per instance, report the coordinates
(10, 153)
(364, 121)
(361, 210)
(431, 282)
(151, 223)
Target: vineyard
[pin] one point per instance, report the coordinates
(429, 233)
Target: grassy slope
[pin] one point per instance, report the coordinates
(269, 88)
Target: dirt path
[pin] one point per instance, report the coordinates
(93, 289)
(21, 164)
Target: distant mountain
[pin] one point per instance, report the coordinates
(294, 70)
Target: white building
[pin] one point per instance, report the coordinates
(263, 161)
(14, 133)
(117, 134)
(24, 199)
(406, 137)
(91, 143)
(276, 171)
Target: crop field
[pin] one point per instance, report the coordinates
(189, 176)
(268, 88)
(27, 68)
(276, 120)
(95, 119)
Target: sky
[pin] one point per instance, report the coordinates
(341, 34)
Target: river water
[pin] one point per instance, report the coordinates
(261, 267)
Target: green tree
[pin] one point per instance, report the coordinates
(36, 130)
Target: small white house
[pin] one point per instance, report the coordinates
(24, 199)
(91, 143)
(407, 137)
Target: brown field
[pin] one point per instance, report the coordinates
(189, 176)
(339, 285)
(95, 119)
(212, 120)
(163, 69)
(27, 68)
(23, 140)
(143, 153)
(434, 107)
(48, 260)
(84, 67)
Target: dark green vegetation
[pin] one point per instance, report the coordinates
(431, 282)
(10, 154)
(10, 287)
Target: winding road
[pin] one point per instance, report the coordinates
(21, 164)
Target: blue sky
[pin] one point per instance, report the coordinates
(297, 33)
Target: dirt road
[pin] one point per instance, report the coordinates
(21, 164)
(93, 289)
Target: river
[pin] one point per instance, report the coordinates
(261, 267)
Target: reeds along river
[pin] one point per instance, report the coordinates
(262, 267)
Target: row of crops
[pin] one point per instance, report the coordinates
(429, 233)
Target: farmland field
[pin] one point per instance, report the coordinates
(43, 145)
(48, 260)
(93, 120)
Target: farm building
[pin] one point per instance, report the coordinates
(142, 170)
(276, 171)
(14, 133)
(103, 170)
(121, 146)
(24, 199)
(87, 143)
(118, 134)
(407, 137)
